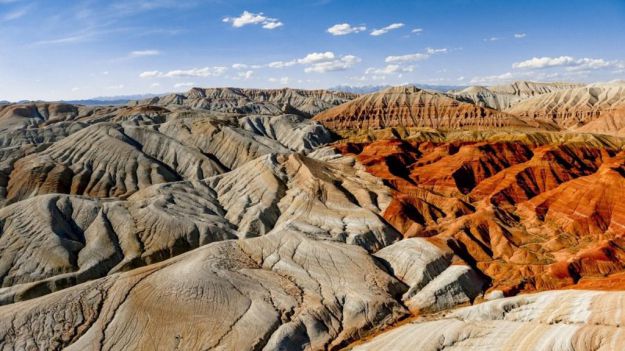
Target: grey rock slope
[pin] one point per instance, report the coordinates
(253, 101)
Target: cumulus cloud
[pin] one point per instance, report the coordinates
(345, 28)
(193, 72)
(544, 62)
(520, 35)
(570, 63)
(250, 18)
(319, 62)
(317, 57)
(377, 32)
(341, 64)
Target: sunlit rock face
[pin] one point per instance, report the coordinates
(528, 217)
(556, 320)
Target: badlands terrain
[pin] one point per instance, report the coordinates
(488, 218)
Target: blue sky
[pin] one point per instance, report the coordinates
(60, 49)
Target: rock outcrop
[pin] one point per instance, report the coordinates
(528, 217)
(502, 97)
(558, 321)
(573, 108)
(253, 101)
(280, 291)
(409, 106)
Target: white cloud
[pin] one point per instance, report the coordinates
(142, 53)
(150, 74)
(570, 63)
(281, 64)
(345, 28)
(273, 25)
(491, 39)
(317, 57)
(432, 51)
(194, 72)
(75, 89)
(590, 64)
(250, 18)
(377, 32)
(418, 56)
(245, 75)
(544, 62)
(389, 69)
(183, 85)
(417, 30)
(239, 66)
(520, 35)
(407, 58)
(155, 85)
(319, 62)
(341, 64)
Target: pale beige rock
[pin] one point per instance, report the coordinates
(434, 283)
(283, 291)
(558, 321)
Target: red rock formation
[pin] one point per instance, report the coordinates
(528, 217)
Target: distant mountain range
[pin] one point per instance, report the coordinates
(111, 100)
(101, 100)
(367, 89)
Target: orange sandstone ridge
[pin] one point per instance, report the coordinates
(527, 217)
